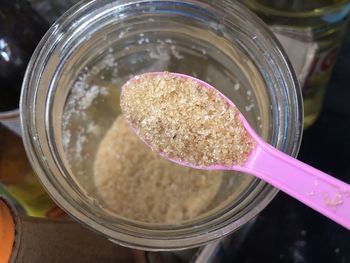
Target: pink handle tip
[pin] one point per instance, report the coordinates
(316, 189)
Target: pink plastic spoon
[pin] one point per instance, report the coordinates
(318, 190)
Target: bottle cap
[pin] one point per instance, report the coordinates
(7, 232)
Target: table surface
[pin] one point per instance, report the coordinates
(288, 231)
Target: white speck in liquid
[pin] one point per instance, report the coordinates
(249, 107)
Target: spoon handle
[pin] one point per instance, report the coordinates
(316, 189)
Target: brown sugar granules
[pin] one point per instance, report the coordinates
(136, 183)
(185, 121)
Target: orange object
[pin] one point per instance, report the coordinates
(7, 232)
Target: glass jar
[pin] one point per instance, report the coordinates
(71, 94)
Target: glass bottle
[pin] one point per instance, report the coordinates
(325, 21)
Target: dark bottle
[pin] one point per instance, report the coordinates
(21, 29)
